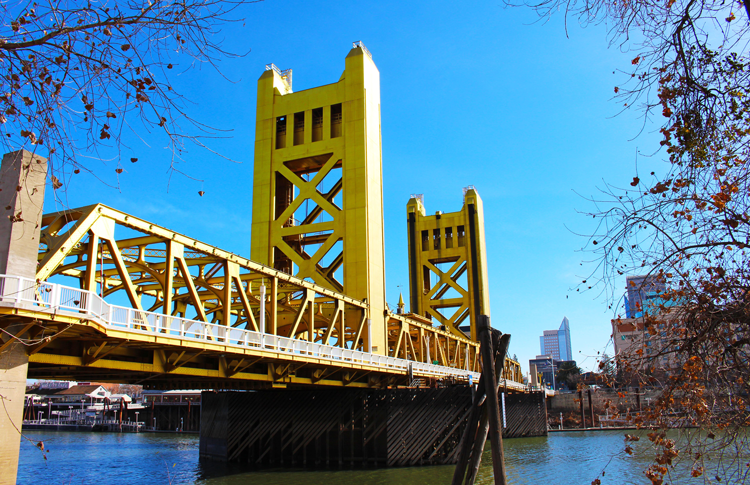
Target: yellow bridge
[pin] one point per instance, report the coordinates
(117, 298)
(304, 334)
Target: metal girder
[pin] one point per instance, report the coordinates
(317, 186)
(112, 253)
(148, 264)
(317, 194)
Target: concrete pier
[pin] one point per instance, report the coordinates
(332, 428)
(335, 427)
(22, 179)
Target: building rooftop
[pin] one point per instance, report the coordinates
(79, 390)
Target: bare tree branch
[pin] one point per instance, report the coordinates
(73, 76)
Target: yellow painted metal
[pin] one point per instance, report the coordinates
(160, 270)
(111, 253)
(512, 371)
(448, 263)
(317, 198)
(83, 349)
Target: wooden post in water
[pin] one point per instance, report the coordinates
(493, 409)
(583, 416)
(501, 348)
(475, 433)
(469, 432)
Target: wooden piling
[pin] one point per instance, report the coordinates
(470, 431)
(501, 348)
(496, 426)
(580, 402)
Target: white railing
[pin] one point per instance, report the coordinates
(47, 297)
(286, 74)
(362, 45)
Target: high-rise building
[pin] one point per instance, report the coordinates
(642, 292)
(643, 349)
(557, 342)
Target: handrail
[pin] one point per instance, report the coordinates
(360, 44)
(286, 74)
(44, 296)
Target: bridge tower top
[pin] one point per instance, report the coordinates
(317, 190)
(448, 263)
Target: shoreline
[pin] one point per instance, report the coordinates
(79, 428)
(610, 428)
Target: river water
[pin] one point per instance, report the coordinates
(112, 458)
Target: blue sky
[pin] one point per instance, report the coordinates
(471, 94)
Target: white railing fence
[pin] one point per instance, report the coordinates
(48, 297)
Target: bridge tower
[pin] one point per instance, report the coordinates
(448, 263)
(317, 193)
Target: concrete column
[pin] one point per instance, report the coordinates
(22, 179)
(13, 365)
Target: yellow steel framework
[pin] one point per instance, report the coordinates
(317, 198)
(448, 263)
(152, 269)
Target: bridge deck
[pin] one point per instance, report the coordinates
(85, 338)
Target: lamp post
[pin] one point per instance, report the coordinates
(70, 411)
(181, 425)
(154, 423)
(136, 421)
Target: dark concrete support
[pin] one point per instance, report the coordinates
(22, 178)
(330, 428)
(334, 427)
(525, 415)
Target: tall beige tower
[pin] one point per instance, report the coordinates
(318, 188)
(22, 179)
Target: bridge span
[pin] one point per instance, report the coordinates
(232, 323)
(75, 334)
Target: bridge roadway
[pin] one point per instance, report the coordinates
(120, 337)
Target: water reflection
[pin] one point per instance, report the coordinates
(562, 458)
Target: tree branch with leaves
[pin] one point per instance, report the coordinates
(686, 221)
(76, 76)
